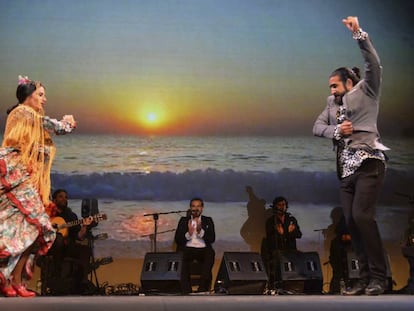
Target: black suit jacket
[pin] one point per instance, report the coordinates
(207, 225)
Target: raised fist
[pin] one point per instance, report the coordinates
(351, 22)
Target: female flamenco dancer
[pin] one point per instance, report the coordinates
(26, 157)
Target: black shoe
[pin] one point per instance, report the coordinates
(357, 289)
(186, 291)
(406, 290)
(375, 287)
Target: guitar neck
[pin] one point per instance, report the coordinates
(72, 223)
(97, 218)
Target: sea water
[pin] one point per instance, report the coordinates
(238, 177)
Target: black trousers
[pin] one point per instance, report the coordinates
(359, 195)
(338, 261)
(203, 255)
(60, 250)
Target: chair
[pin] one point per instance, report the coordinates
(63, 280)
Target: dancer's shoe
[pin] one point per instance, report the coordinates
(22, 291)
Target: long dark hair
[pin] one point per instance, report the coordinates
(277, 200)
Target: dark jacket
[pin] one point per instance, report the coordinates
(287, 241)
(207, 225)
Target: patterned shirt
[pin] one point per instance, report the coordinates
(350, 159)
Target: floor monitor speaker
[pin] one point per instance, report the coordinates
(299, 272)
(161, 272)
(89, 207)
(241, 273)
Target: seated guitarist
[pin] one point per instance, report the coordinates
(66, 243)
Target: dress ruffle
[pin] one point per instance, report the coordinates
(23, 219)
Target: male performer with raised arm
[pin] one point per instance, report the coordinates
(350, 120)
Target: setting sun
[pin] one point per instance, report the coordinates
(152, 117)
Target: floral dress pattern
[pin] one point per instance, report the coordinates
(23, 219)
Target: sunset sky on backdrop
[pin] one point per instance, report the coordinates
(201, 67)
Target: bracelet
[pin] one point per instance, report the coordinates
(359, 34)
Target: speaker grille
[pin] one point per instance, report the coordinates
(241, 273)
(89, 207)
(298, 271)
(161, 272)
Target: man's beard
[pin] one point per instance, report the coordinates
(195, 213)
(62, 207)
(338, 99)
(280, 212)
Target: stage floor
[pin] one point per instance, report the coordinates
(211, 303)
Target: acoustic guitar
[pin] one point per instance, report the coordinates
(62, 226)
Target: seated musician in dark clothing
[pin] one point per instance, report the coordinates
(67, 239)
(194, 235)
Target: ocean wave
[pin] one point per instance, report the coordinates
(222, 186)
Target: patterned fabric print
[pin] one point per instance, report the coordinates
(22, 218)
(359, 34)
(54, 126)
(351, 159)
(12, 172)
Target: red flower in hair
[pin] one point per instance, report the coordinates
(24, 80)
(51, 210)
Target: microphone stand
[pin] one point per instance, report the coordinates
(93, 274)
(155, 216)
